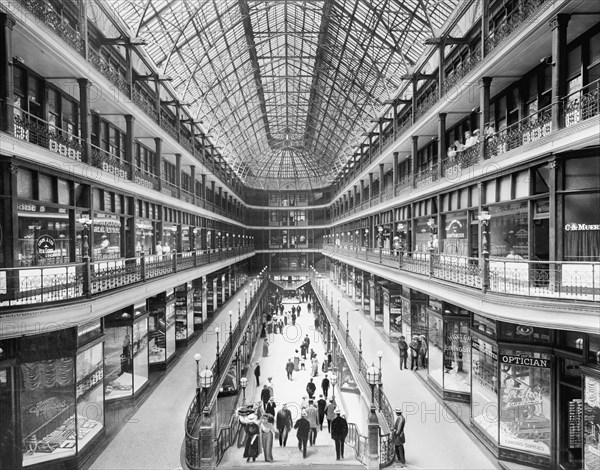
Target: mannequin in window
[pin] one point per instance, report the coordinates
(104, 246)
(159, 248)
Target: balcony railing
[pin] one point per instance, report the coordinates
(34, 285)
(44, 12)
(169, 189)
(145, 104)
(529, 129)
(426, 175)
(513, 20)
(468, 64)
(427, 103)
(582, 104)
(187, 196)
(145, 178)
(32, 129)
(459, 160)
(165, 124)
(109, 71)
(110, 163)
(557, 279)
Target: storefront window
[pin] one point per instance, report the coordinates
(144, 237)
(106, 240)
(346, 379)
(512, 332)
(140, 353)
(118, 362)
(594, 350)
(591, 424)
(581, 234)
(484, 394)
(484, 325)
(457, 356)
(453, 236)
(90, 394)
(169, 238)
(508, 230)
(43, 235)
(395, 314)
(48, 410)
(161, 330)
(436, 349)
(525, 401)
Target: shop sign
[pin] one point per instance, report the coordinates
(45, 244)
(525, 361)
(455, 229)
(574, 227)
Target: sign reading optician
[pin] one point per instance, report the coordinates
(525, 361)
(45, 244)
(573, 227)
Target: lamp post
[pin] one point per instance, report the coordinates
(334, 380)
(243, 384)
(338, 312)
(239, 309)
(197, 358)
(87, 223)
(206, 381)
(380, 383)
(484, 219)
(245, 299)
(402, 242)
(217, 331)
(380, 240)
(359, 347)
(230, 324)
(347, 324)
(372, 379)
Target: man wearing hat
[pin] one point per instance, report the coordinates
(303, 427)
(312, 415)
(284, 424)
(270, 406)
(398, 436)
(339, 431)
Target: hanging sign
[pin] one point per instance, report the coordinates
(45, 244)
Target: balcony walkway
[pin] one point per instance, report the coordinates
(434, 438)
(153, 435)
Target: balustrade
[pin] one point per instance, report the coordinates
(582, 104)
(145, 178)
(167, 125)
(110, 163)
(144, 104)
(427, 175)
(468, 64)
(108, 70)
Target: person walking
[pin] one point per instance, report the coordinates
(414, 354)
(296, 361)
(303, 429)
(339, 431)
(284, 424)
(311, 388)
(267, 433)
(293, 319)
(265, 394)
(423, 349)
(315, 366)
(325, 386)
(298, 310)
(252, 447)
(403, 352)
(293, 310)
(265, 351)
(398, 436)
(312, 415)
(270, 407)
(321, 404)
(270, 386)
(289, 368)
(330, 413)
(257, 373)
(308, 307)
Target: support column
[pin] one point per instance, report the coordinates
(129, 70)
(129, 140)
(381, 181)
(485, 26)
(442, 148)
(221, 197)
(414, 99)
(395, 121)
(349, 199)
(193, 179)
(441, 67)
(355, 196)
(85, 119)
(414, 156)
(203, 184)
(7, 89)
(559, 71)
(373, 461)
(396, 172)
(370, 187)
(484, 116)
(83, 25)
(362, 191)
(178, 174)
(178, 121)
(212, 187)
(158, 161)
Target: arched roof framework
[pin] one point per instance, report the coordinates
(285, 85)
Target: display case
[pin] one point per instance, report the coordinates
(484, 389)
(118, 360)
(89, 394)
(48, 411)
(184, 312)
(161, 327)
(591, 422)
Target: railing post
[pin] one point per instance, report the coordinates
(143, 267)
(373, 461)
(205, 442)
(174, 261)
(431, 262)
(87, 278)
(195, 258)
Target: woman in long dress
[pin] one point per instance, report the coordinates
(315, 367)
(267, 434)
(252, 449)
(265, 348)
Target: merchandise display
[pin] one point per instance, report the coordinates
(591, 423)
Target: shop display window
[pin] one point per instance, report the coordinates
(484, 392)
(508, 233)
(457, 356)
(512, 332)
(591, 424)
(484, 325)
(395, 315)
(453, 235)
(184, 312)
(144, 237)
(525, 401)
(90, 395)
(581, 240)
(118, 362)
(140, 353)
(48, 410)
(346, 379)
(436, 349)
(594, 350)
(43, 235)
(106, 239)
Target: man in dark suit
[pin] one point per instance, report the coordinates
(325, 386)
(303, 427)
(321, 404)
(311, 388)
(284, 424)
(270, 406)
(339, 431)
(265, 394)
(398, 436)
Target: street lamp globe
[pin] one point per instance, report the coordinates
(206, 378)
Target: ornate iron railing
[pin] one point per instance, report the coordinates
(110, 163)
(582, 104)
(144, 104)
(459, 160)
(458, 269)
(468, 64)
(529, 129)
(44, 12)
(427, 175)
(513, 21)
(187, 196)
(167, 125)
(30, 128)
(115, 273)
(145, 178)
(427, 103)
(358, 442)
(109, 71)
(169, 189)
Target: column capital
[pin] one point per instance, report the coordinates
(7, 20)
(442, 116)
(129, 117)
(485, 81)
(84, 82)
(415, 138)
(560, 20)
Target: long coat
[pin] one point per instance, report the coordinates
(339, 428)
(398, 431)
(303, 427)
(253, 445)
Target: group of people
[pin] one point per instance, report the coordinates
(417, 348)
(471, 139)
